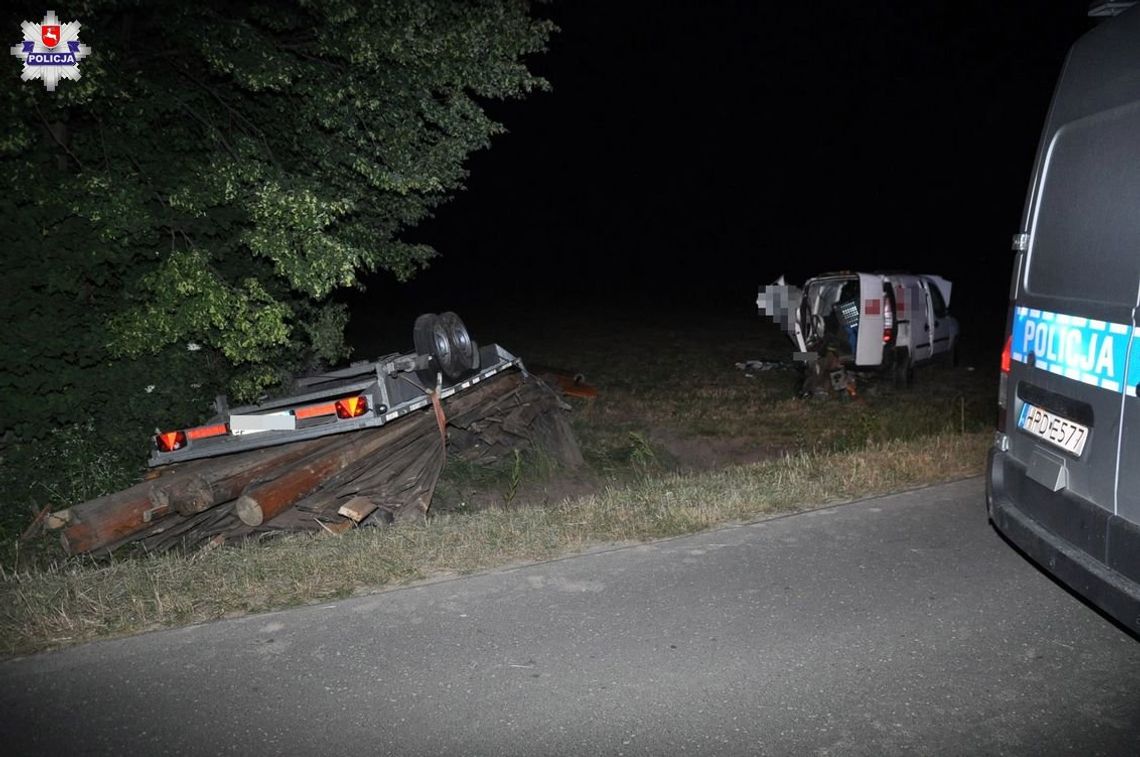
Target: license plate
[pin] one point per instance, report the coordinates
(1050, 427)
(255, 424)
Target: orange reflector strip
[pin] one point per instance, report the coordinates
(312, 411)
(351, 407)
(170, 441)
(205, 432)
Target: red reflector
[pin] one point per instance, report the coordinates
(351, 407)
(312, 411)
(170, 441)
(1007, 354)
(205, 432)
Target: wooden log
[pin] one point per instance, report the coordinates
(264, 500)
(357, 509)
(107, 521)
(185, 490)
(188, 495)
(227, 477)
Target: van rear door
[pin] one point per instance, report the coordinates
(1074, 317)
(1113, 185)
(869, 346)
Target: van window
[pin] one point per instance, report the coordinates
(1083, 244)
(937, 304)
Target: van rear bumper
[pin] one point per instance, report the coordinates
(1092, 551)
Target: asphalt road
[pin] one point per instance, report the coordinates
(896, 625)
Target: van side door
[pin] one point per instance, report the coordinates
(912, 312)
(938, 319)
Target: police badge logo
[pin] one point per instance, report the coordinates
(50, 51)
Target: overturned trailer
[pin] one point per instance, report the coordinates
(360, 445)
(364, 395)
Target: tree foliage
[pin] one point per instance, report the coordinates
(176, 220)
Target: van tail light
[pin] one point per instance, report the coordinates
(888, 320)
(170, 440)
(351, 407)
(1003, 380)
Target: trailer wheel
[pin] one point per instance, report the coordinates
(903, 368)
(430, 338)
(465, 356)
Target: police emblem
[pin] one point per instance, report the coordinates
(50, 51)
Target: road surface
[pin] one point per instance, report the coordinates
(896, 625)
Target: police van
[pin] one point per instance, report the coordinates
(1063, 476)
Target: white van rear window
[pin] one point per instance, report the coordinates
(1086, 240)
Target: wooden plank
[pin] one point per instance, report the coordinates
(35, 522)
(357, 509)
(336, 528)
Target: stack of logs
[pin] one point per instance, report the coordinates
(334, 483)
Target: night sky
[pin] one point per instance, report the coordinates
(691, 151)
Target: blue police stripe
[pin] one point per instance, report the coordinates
(1132, 377)
(1082, 349)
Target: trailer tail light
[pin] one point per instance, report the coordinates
(351, 407)
(170, 440)
(315, 411)
(205, 432)
(1003, 380)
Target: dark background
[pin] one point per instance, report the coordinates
(691, 151)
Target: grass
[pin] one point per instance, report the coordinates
(679, 440)
(666, 378)
(79, 599)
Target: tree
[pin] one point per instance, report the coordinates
(177, 218)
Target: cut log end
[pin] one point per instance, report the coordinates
(54, 521)
(357, 508)
(249, 511)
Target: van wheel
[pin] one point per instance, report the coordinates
(903, 368)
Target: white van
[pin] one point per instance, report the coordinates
(1063, 478)
(887, 321)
